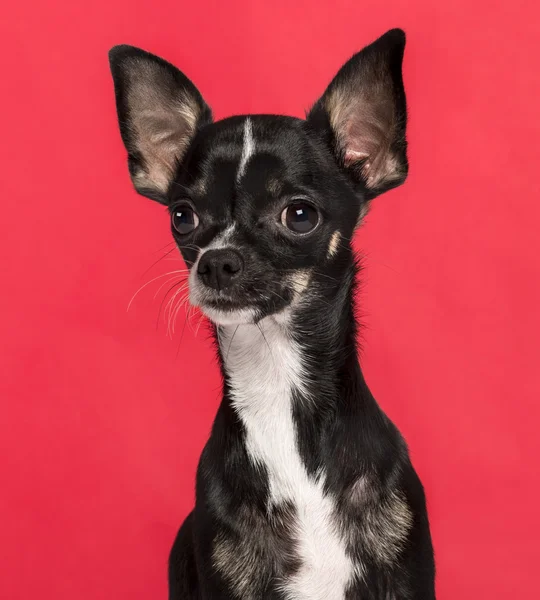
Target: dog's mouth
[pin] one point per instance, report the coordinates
(223, 311)
(248, 302)
(231, 316)
(237, 308)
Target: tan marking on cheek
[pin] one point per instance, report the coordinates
(300, 281)
(334, 243)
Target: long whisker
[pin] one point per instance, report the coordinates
(183, 331)
(191, 311)
(199, 324)
(182, 287)
(152, 280)
(181, 337)
(190, 247)
(170, 304)
(177, 309)
(275, 294)
(156, 262)
(164, 284)
(300, 291)
(324, 275)
(264, 338)
(369, 257)
(165, 297)
(163, 248)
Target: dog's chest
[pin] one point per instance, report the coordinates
(263, 372)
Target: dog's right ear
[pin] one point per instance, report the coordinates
(159, 112)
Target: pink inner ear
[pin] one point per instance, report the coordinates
(366, 141)
(354, 156)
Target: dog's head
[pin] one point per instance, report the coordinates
(263, 207)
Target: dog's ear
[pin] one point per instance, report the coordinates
(363, 116)
(159, 112)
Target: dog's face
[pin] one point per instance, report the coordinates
(263, 207)
(259, 207)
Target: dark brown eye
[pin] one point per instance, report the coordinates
(300, 217)
(184, 220)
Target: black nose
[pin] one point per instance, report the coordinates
(219, 268)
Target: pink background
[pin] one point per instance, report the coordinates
(103, 418)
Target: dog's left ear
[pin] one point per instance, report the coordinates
(363, 117)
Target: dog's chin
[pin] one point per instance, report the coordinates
(238, 316)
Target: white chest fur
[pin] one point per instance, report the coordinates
(263, 371)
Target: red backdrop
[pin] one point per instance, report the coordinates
(103, 417)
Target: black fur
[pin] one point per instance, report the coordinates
(350, 148)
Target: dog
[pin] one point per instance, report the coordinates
(305, 489)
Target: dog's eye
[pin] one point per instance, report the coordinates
(300, 217)
(184, 220)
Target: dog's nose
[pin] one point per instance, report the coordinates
(219, 268)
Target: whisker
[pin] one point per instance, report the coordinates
(190, 311)
(183, 284)
(156, 262)
(182, 335)
(171, 307)
(264, 338)
(324, 275)
(152, 280)
(230, 343)
(275, 294)
(161, 249)
(165, 297)
(164, 284)
(369, 257)
(181, 304)
(317, 296)
(177, 309)
(190, 247)
(199, 324)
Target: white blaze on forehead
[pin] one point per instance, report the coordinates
(223, 240)
(247, 149)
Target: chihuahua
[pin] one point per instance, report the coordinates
(305, 489)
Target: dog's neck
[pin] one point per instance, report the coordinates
(287, 379)
(303, 359)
